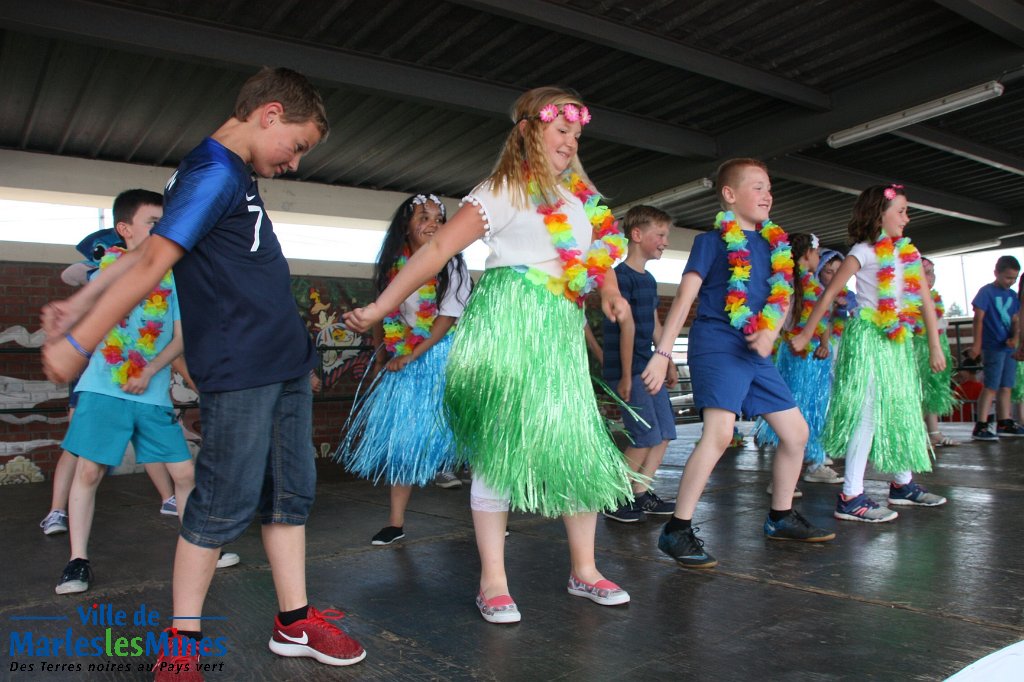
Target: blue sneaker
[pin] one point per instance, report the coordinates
(914, 494)
(169, 506)
(793, 526)
(685, 547)
(862, 508)
(1009, 428)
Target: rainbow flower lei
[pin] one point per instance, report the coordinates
(399, 337)
(780, 283)
(898, 325)
(128, 355)
(839, 315)
(581, 273)
(940, 312)
(811, 290)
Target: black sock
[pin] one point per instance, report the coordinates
(675, 524)
(289, 617)
(79, 560)
(192, 634)
(778, 514)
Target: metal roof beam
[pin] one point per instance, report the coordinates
(894, 89)
(961, 146)
(849, 181)
(651, 46)
(137, 31)
(1005, 18)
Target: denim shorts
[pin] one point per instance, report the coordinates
(1000, 368)
(655, 409)
(256, 458)
(745, 386)
(104, 425)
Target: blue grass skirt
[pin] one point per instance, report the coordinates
(900, 441)
(396, 432)
(810, 380)
(521, 402)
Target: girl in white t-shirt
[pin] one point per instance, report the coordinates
(396, 431)
(876, 396)
(519, 396)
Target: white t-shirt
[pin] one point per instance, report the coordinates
(518, 236)
(455, 297)
(867, 276)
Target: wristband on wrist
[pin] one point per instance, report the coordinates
(663, 353)
(77, 346)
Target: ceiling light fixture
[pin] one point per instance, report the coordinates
(690, 189)
(922, 112)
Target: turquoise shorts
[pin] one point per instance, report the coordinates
(104, 425)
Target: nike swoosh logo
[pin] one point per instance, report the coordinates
(250, 198)
(298, 640)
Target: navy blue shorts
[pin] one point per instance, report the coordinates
(655, 409)
(742, 385)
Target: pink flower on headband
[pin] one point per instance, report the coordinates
(548, 113)
(571, 112)
(890, 191)
(584, 116)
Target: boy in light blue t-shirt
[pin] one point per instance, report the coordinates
(124, 394)
(996, 328)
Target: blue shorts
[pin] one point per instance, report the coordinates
(256, 458)
(1000, 368)
(104, 425)
(742, 385)
(655, 409)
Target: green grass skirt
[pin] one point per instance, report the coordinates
(521, 404)
(1018, 388)
(936, 387)
(900, 439)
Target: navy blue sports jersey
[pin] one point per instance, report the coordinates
(241, 325)
(640, 289)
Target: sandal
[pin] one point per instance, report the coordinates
(939, 440)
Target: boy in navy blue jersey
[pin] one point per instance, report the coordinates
(732, 372)
(996, 328)
(247, 350)
(628, 347)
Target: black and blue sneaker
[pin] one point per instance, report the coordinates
(76, 577)
(630, 512)
(685, 547)
(793, 526)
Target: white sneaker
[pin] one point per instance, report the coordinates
(796, 491)
(227, 559)
(828, 461)
(823, 474)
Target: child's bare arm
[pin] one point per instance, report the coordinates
(655, 372)
(848, 269)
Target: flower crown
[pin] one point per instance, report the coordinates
(890, 191)
(571, 112)
(421, 199)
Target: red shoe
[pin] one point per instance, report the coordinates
(179, 662)
(315, 638)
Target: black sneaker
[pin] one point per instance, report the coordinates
(983, 432)
(793, 526)
(76, 577)
(685, 547)
(652, 504)
(387, 535)
(631, 512)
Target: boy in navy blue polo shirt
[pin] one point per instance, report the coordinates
(731, 371)
(247, 350)
(628, 347)
(996, 327)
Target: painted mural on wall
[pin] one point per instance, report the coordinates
(344, 353)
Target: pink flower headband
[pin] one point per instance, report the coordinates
(890, 191)
(571, 112)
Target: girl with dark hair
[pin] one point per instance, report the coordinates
(876, 396)
(518, 393)
(936, 387)
(396, 431)
(807, 373)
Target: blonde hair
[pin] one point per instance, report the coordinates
(523, 157)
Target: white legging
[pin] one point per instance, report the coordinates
(486, 499)
(859, 447)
